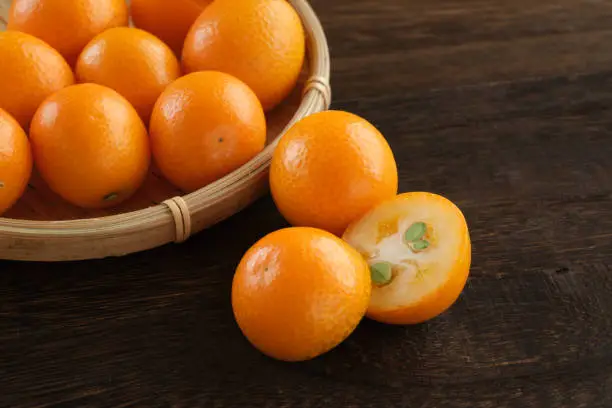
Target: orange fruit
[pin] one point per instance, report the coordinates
(299, 292)
(132, 62)
(329, 169)
(90, 145)
(261, 42)
(67, 25)
(419, 251)
(29, 72)
(204, 126)
(15, 161)
(168, 20)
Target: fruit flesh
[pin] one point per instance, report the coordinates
(425, 282)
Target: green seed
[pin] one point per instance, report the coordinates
(381, 272)
(415, 232)
(420, 245)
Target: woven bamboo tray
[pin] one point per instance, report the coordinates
(42, 227)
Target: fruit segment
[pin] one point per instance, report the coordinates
(419, 251)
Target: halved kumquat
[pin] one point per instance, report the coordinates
(419, 251)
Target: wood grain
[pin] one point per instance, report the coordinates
(504, 107)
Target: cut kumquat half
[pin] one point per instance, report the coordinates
(419, 252)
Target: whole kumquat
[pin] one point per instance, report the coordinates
(30, 70)
(133, 62)
(261, 42)
(204, 126)
(90, 145)
(299, 292)
(67, 25)
(15, 161)
(168, 20)
(329, 169)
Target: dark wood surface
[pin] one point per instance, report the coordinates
(505, 107)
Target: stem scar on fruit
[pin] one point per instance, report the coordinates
(1, 184)
(110, 197)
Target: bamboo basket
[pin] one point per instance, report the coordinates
(42, 227)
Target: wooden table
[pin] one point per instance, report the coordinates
(505, 107)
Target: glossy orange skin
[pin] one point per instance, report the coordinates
(30, 70)
(131, 61)
(67, 25)
(15, 161)
(436, 302)
(203, 126)
(299, 292)
(329, 169)
(168, 20)
(90, 146)
(261, 42)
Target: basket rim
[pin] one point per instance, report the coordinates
(153, 216)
